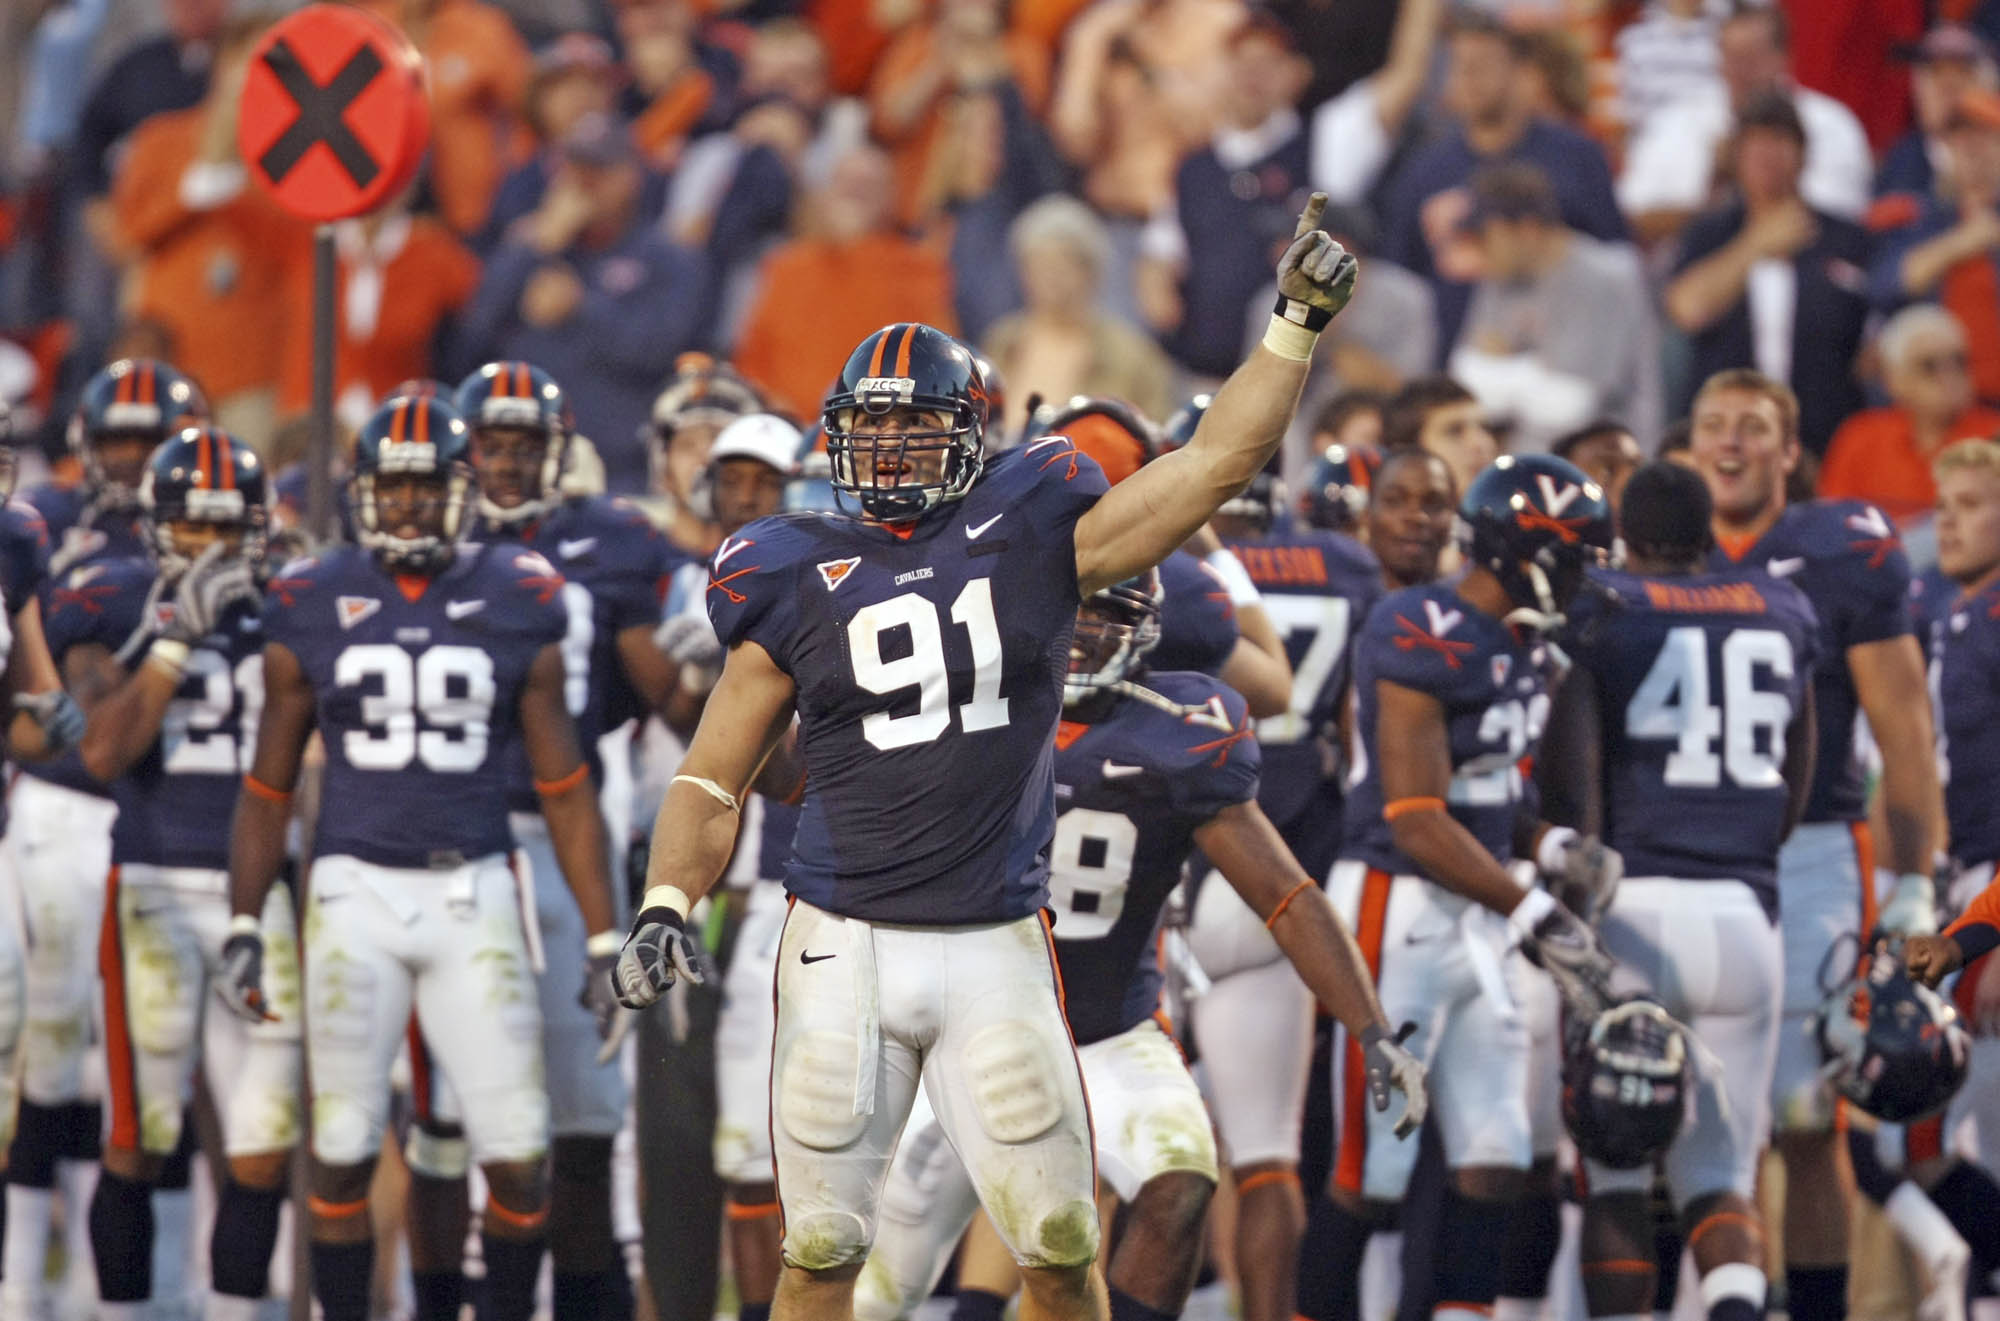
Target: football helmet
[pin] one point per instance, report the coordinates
(1118, 437)
(1892, 1046)
(1115, 630)
(133, 397)
(518, 396)
(1337, 487)
(993, 387)
(1624, 1083)
(1537, 523)
(204, 475)
(1260, 504)
(412, 438)
(917, 369)
(1179, 429)
(10, 459)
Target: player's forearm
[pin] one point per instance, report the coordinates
(1448, 855)
(693, 836)
(1909, 791)
(1329, 962)
(576, 834)
(127, 722)
(256, 846)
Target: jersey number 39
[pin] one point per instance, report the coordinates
(435, 707)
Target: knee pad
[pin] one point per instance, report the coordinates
(826, 1240)
(1013, 1082)
(1066, 1236)
(162, 1015)
(344, 1133)
(816, 1084)
(438, 1151)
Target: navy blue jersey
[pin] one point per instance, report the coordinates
(24, 553)
(111, 535)
(1965, 691)
(175, 802)
(1698, 678)
(1431, 640)
(1132, 788)
(59, 504)
(615, 566)
(91, 603)
(417, 700)
(1197, 621)
(929, 671)
(1317, 587)
(1845, 556)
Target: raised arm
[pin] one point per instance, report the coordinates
(1140, 521)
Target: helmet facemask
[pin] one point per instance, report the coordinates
(1115, 631)
(900, 475)
(439, 516)
(540, 466)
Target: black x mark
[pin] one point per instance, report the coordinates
(320, 110)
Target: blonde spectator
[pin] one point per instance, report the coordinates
(1063, 343)
(1884, 455)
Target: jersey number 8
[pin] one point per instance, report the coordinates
(449, 689)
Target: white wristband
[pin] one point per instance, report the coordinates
(608, 941)
(1549, 852)
(168, 654)
(1290, 340)
(1234, 577)
(712, 789)
(667, 896)
(245, 924)
(1529, 912)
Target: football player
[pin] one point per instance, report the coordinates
(699, 400)
(749, 467)
(921, 644)
(421, 662)
(614, 566)
(1409, 514)
(1149, 767)
(175, 647)
(1683, 737)
(1253, 1024)
(1451, 696)
(1846, 558)
(59, 840)
(1337, 488)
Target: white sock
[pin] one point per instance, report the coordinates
(26, 1259)
(78, 1181)
(122, 1311)
(173, 1235)
(226, 1307)
(1382, 1274)
(1518, 1309)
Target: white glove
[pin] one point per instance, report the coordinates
(1557, 941)
(1391, 1068)
(239, 982)
(1580, 870)
(1912, 907)
(689, 639)
(204, 592)
(657, 953)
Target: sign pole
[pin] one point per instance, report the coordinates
(319, 461)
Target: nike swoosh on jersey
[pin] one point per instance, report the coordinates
(973, 533)
(460, 609)
(1786, 567)
(581, 546)
(1118, 771)
(813, 958)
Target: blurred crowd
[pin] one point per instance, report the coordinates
(1575, 209)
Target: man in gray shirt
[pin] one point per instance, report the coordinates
(1561, 328)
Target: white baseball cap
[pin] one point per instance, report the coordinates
(765, 437)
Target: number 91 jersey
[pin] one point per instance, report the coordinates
(1431, 640)
(418, 694)
(1698, 678)
(929, 670)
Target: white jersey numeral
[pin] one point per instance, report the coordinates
(1325, 621)
(190, 734)
(1089, 896)
(924, 667)
(1672, 702)
(449, 690)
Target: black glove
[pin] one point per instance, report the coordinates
(58, 716)
(658, 950)
(204, 592)
(1391, 1068)
(239, 982)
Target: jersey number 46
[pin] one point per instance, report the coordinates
(1673, 702)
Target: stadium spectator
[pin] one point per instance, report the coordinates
(1351, 419)
(211, 253)
(1528, 349)
(1950, 61)
(1438, 414)
(479, 69)
(585, 289)
(401, 279)
(1062, 342)
(848, 274)
(1947, 250)
(1608, 453)
(1355, 134)
(678, 87)
(999, 161)
(1665, 56)
(922, 83)
(166, 72)
(1235, 202)
(574, 77)
(1485, 94)
(1670, 169)
(1767, 280)
(1884, 455)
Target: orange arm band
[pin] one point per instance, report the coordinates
(1285, 903)
(550, 788)
(256, 788)
(1403, 806)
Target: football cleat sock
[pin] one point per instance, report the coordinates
(342, 1273)
(1534, 1236)
(1124, 1307)
(440, 1294)
(594, 1295)
(1329, 1276)
(1816, 1293)
(246, 1234)
(512, 1267)
(121, 1237)
(977, 1305)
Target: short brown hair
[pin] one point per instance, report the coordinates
(1755, 382)
(1411, 407)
